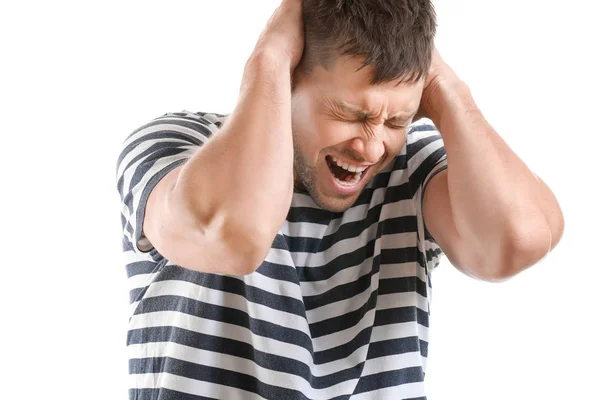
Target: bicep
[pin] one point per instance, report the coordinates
(437, 217)
(176, 234)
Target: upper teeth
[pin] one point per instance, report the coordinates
(348, 167)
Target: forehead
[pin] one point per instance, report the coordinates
(343, 82)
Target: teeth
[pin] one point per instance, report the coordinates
(348, 167)
(353, 182)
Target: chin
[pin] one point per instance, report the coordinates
(340, 209)
(334, 204)
(326, 192)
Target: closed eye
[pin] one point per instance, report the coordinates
(396, 126)
(366, 119)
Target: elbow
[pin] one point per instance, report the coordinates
(209, 240)
(247, 247)
(243, 263)
(517, 253)
(248, 262)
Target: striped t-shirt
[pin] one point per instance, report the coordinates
(339, 308)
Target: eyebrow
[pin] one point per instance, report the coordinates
(361, 113)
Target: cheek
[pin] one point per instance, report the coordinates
(394, 146)
(315, 139)
(331, 134)
(324, 139)
(397, 142)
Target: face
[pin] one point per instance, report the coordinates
(346, 130)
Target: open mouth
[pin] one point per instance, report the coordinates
(345, 175)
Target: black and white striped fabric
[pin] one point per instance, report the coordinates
(339, 308)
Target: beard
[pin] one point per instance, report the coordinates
(305, 179)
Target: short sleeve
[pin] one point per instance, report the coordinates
(150, 153)
(426, 157)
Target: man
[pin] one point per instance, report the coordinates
(285, 251)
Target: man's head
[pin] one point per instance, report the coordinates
(356, 90)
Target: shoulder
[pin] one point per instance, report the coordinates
(211, 120)
(420, 134)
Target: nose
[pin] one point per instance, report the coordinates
(369, 147)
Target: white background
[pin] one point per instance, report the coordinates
(77, 77)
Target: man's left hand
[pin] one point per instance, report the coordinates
(439, 75)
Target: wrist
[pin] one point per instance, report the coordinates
(270, 59)
(445, 96)
(265, 65)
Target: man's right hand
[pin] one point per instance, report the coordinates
(221, 210)
(283, 36)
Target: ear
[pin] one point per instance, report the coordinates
(300, 72)
(296, 76)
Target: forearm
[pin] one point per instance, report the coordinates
(242, 178)
(498, 205)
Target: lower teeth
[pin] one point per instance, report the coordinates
(352, 182)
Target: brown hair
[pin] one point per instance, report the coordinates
(394, 36)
